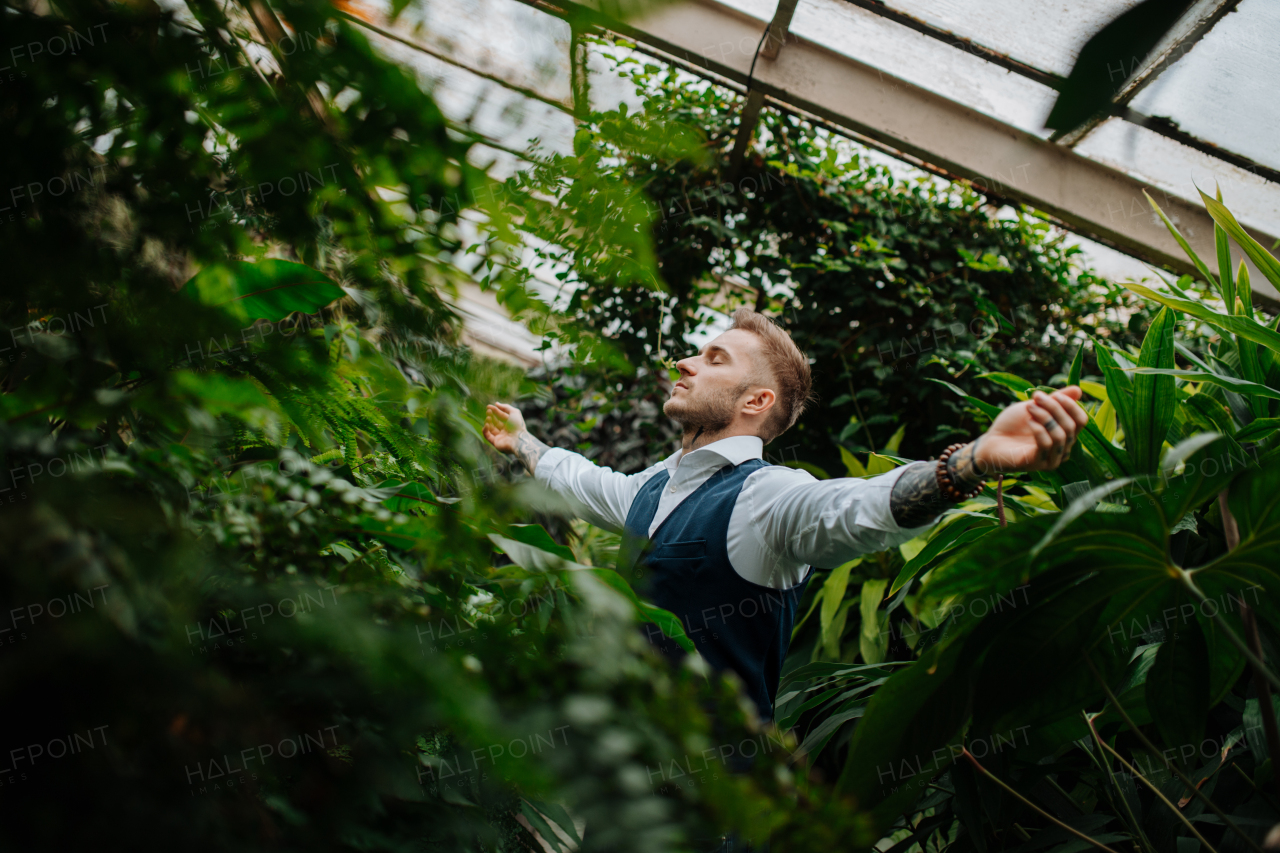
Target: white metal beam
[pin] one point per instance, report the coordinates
(1090, 198)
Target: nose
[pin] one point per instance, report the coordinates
(686, 367)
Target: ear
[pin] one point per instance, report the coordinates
(760, 401)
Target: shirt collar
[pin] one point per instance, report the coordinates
(735, 450)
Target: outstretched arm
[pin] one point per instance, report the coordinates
(830, 522)
(504, 428)
(1034, 435)
(597, 494)
(917, 498)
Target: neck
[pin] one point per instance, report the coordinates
(695, 437)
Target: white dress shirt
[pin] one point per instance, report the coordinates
(784, 521)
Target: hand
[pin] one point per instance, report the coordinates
(1034, 435)
(502, 426)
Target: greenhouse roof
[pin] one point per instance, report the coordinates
(961, 88)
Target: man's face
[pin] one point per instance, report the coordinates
(714, 382)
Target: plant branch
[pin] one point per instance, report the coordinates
(1231, 531)
(1077, 833)
(1111, 697)
(1231, 635)
(1177, 811)
(1106, 765)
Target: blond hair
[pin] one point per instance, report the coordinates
(788, 366)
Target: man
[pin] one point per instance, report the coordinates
(732, 537)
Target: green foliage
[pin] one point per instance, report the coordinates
(259, 559)
(249, 525)
(883, 282)
(1119, 599)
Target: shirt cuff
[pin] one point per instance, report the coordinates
(876, 512)
(549, 462)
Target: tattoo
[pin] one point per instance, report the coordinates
(916, 497)
(529, 450)
(963, 467)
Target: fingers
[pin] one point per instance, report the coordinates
(1073, 408)
(1062, 422)
(1043, 440)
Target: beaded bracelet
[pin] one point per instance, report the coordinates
(949, 489)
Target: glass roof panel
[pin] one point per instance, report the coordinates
(926, 62)
(1174, 167)
(504, 38)
(1223, 90)
(1047, 35)
(508, 118)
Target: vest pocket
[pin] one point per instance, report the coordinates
(679, 560)
(681, 550)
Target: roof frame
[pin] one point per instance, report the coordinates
(1090, 198)
(1193, 26)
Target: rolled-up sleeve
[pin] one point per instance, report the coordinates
(596, 494)
(825, 523)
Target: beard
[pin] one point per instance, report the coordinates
(711, 413)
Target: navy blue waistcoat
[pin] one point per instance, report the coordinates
(735, 624)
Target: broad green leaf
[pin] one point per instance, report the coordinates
(411, 495)
(270, 289)
(557, 813)
(957, 533)
(832, 596)
(879, 464)
(1105, 418)
(872, 640)
(1204, 473)
(982, 406)
(1154, 396)
(1119, 389)
(1245, 327)
(1240, 386)
(1034, 669)
(1178, 684)
(534, 559)
(541, 826)
(1209, 277)
(1078, 507)
(1183, 450)
(1243, 291)
(222, 395)
(851, 464)
(919, 709)
(1019, 386)
(1261, 258)
(1077, 365)
(537, 536)
(1228, 284)
(1112, 459)
(1093, 389)
(1259, 430)
(895, 440)
(1226, 661)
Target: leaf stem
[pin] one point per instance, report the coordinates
(1240, 644)
(1177, 811)
(1111, 697)
(1106, 765)
(1077, 833)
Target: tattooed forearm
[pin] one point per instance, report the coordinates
(529, 450)
(916, 497)
(963, 468)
